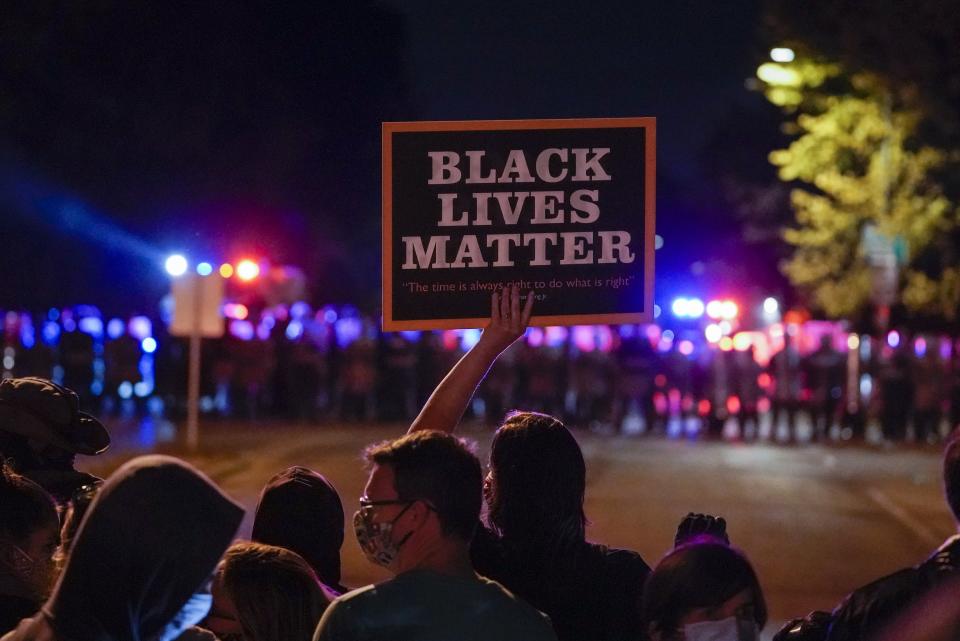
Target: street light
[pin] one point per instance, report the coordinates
(782, 54)
(176, 265)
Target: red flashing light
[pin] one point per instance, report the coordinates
(733, 405)
(247, 270)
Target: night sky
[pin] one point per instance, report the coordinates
(133, 129)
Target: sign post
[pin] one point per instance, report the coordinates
(196, 314)
(563, 208)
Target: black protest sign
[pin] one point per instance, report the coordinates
(564, 208)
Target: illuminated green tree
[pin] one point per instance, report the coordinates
(859, 169)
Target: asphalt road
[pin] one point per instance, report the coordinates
(816, 521)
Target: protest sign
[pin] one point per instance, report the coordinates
(564, 208)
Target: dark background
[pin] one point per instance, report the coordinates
(417, 212)
(129, 130)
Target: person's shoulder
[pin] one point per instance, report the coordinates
(518, 612)
(626, 562)
(872, 604)
(360, 596)
(341, 617)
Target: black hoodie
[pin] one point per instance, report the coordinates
(300, 510)
(149, 540)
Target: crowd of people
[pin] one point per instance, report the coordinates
(149, 553)
(772, 384)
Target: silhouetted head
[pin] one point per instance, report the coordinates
(537, 479)
(700, 582)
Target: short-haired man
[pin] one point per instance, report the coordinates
(420, 508)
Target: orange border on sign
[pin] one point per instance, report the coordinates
(649, 207)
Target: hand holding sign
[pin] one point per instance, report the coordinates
(507, 322)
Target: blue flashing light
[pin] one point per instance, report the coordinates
(470, 337)
(53, 314)
(893, 339)
(242, 329)
(263, 331)
(91, 325)
(294, 330)
(555, 336)
(299, 310)
(51, 333)
(28, 337)
(140, 327)
(680, 307)
(204, 269)
(149, 345)
(125, 390)
(115, 328)
(348, 330)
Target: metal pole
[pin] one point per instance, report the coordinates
(193, 378)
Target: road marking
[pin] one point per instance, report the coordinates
(927, 535)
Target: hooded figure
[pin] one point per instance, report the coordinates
(142, 558)
(300, 510)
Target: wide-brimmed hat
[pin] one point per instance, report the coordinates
(40, 409)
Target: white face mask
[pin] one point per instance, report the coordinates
(729, 629)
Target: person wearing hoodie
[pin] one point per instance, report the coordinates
(300, 510)
(141, 563)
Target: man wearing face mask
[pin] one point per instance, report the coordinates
(29, 534)
(420, 508)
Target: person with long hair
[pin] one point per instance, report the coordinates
(276, 595)
(534, 540)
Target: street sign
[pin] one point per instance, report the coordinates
(197, 304)
(561, 207)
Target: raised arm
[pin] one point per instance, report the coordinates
(448, 402)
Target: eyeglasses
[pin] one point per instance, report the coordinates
(366, 504)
